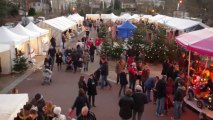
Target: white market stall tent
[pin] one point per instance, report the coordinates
(33, 36)
(42, 41)
(4, 51)
(16, 42)
(185, 25)
(136, 17)
(156, 18)
(10, 105)
(76, 18)
(57, 26)
(146, 17)
(93, 16)
(125, 17)
(111, 17)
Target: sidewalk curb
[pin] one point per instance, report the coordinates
(19, 79)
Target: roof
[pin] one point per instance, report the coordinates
(19, 29)
(129, 1)
(9, 37)
(32, 27)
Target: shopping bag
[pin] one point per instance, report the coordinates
(70, 114)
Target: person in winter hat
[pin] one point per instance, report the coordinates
(58, 115)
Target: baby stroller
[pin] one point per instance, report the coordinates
(47, 76)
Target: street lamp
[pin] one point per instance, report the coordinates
(178, 5)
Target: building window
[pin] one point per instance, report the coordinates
(38, 4)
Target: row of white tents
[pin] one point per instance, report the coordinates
(27, 39)
(32, 39)
(184, 25)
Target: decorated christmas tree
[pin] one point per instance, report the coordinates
(157, 50)
(102, 33)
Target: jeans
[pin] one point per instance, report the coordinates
(139, 115)
(86, 66)
(104, 81)
(123, 87)
(177, 110)
(160, 106)
(92, 58)
(148, 92)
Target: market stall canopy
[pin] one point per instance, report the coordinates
(76, 18)
(4, 47)
(60, 23)
(200, 41)
(136, 17)
(93, 16)
(19, 29)
(105, 16)
(146, 16)
(164, 20)
(34, 28)
(125, 16)
(156, 18)
(125, 30)
(185, 25)
(11, 105)
(9, 37)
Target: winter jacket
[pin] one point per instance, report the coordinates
(59, 57)
(90, 116)
(149, 83)
(60, 117)
(92, 50)
(126, 104)
(139, 99)
(165, 68)
(160, 89)
(180, 93)
(83, 85)
(86, 57)
(91, 87)
(104, 69)
(123, 78)
(52, 52)
(79, 103)
(120, 66)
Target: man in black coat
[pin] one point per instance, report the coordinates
(86, 114)
(51, 53)
(140, 100)
(104, 73)
(160, 95)
(39, 102)
(126, 104)
(92, 52)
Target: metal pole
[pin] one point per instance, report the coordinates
(189, 62)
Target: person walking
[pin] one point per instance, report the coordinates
(75, 58)
(178, 100)
(160, 95)
(82, 84)
(132, 78)
(126, 104)
(80, 102)
(92, 52)
(92, 91)
(59, 59)
(86, 59)
(47, 62)
(123, 82)
(51, 53)
(149, 85)
(104, 73)
(140, 100)
(121, 64)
